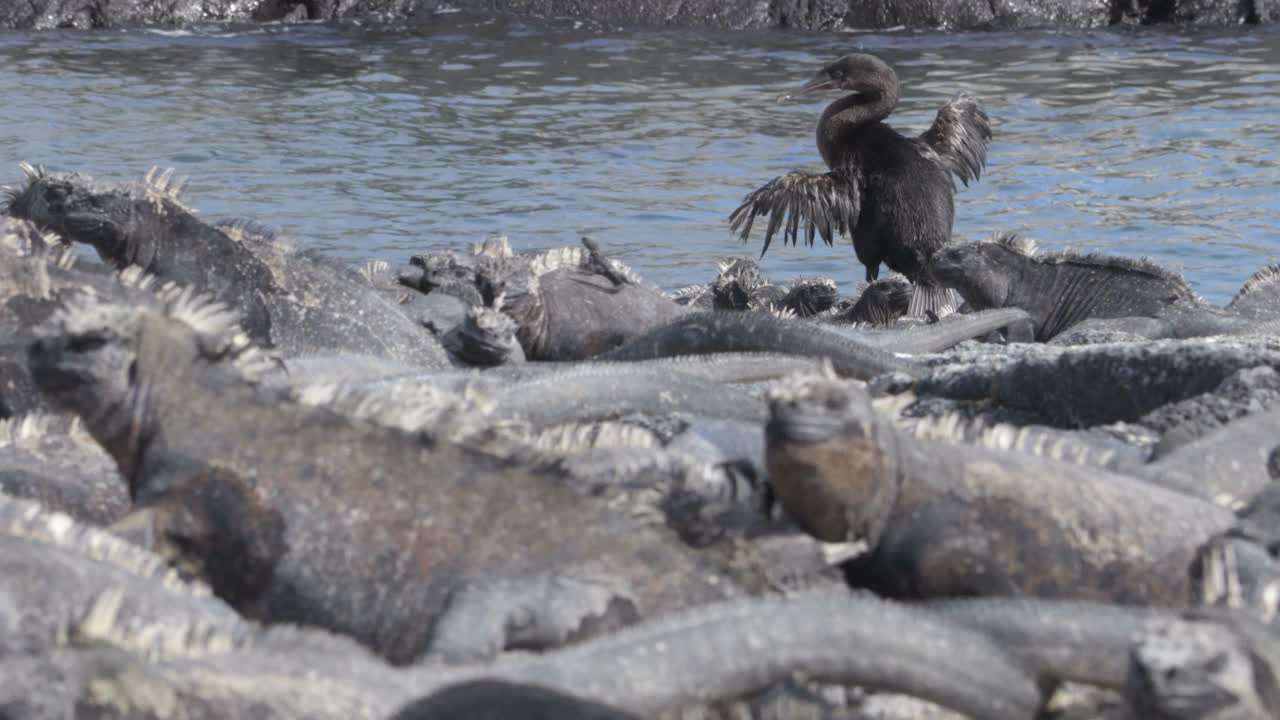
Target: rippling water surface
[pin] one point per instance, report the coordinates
(380, 142)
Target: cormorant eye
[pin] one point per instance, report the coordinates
(837, 74)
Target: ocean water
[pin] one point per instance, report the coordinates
(379, 141)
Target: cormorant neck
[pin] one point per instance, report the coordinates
(853, 111)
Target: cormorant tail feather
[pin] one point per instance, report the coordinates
(934, 299)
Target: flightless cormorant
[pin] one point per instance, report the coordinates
(892, 193)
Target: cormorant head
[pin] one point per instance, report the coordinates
(978, 271)
(858, 72)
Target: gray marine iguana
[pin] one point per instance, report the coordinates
(1259, 298)
(946, 520)
(113, 662)
(301, 302)
(296, 514)
(569, 302)
(1243, 393)
(51, 459)
(573, 303)
(862, 356)
(1076, 387)
(145, 224)
(741, 285)
(1228, 466)
(54, 568)
(1208, 664)
(1170, 664)
(878, 303)
(326, 307)
(1063, 289)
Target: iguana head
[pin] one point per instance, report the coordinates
(832, 459)
(108, 360)
(982, 272)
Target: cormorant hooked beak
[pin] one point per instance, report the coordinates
(820, 82)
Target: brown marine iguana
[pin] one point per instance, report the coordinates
(948, 520)
(296, 514)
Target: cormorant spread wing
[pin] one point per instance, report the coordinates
(958, 137)
(825, 204)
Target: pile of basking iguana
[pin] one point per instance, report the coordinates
(241, 479)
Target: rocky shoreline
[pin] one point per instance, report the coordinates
(807, 15)
(241, 479)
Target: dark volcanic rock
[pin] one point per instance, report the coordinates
(724, 14)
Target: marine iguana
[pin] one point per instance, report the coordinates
(945, 520)
(944, 333)
(1259, 298)
(700, 333)
(573, 303)
(109, 663)
(55, 567)
(444, 273)
(325, 307)
(742, 285)
(297, 514)
(423, 309)
(1228, 466)
(1207, 665)
(146, 224)
(1063, 289)
(1242, 393)
(1238, 572)
(37, 272)
(1080, 447)
(859, 355)
(734, 287)
(1239, 569)
(570, 302)
(485, 338)
(880, 302)
(51, 459)
(1092, 385)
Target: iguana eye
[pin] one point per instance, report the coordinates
(86, 343)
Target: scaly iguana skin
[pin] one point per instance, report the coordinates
(297, 514)
(946, 520)
(1078, 387)
(1064, 289)
(114, 663)
(1228, 466)
(145, 224)
(55, 568)
(324, 307)
(51, 459)
(300, 302)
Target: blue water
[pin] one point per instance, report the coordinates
(379, 142)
